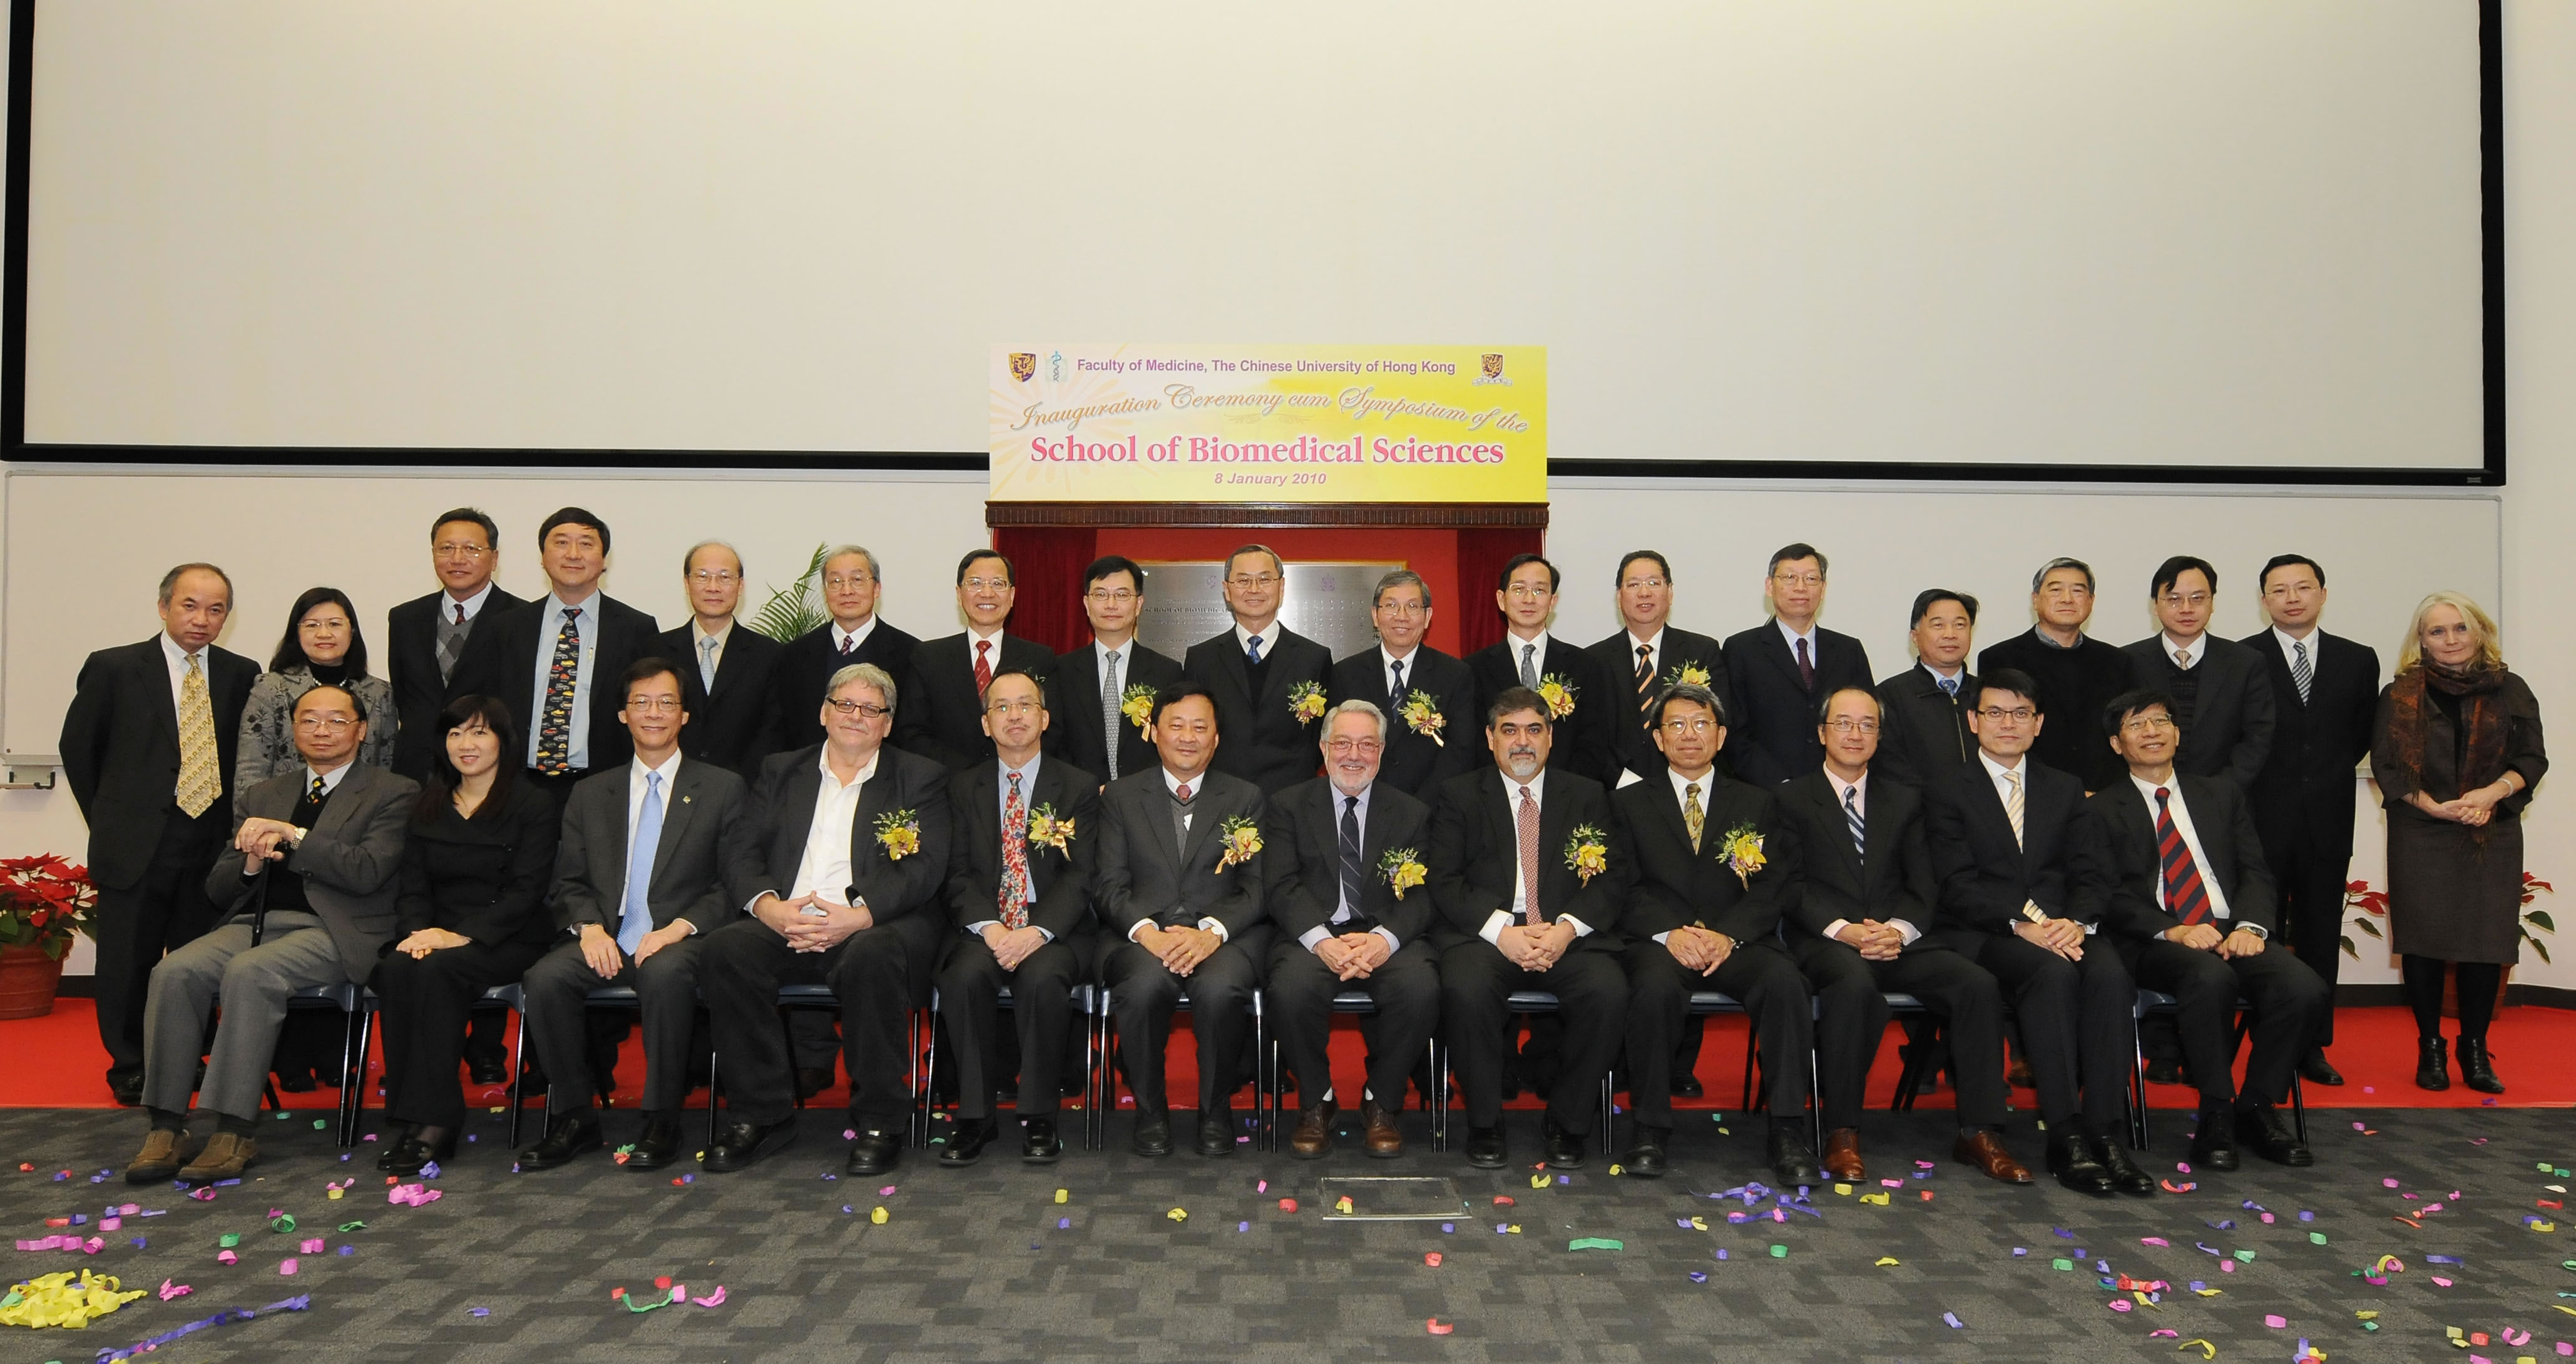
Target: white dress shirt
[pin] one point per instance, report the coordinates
(1269, 638)
(698, 638)
(636, 788)
(1002, 804)
(1501, 919)
(2190, 841)
(2287, 641)
(2003, 792)
(330, 783)
(1343, 909)
(992, 656)
(178, 658)
(2199, 646)
(1842, 789)
(1100, 666)
(586, 630)
(825, 867)
(473, 605)
(1386, 661)
(1654, 652)
(851, 640)
(1198, 788)
(1681, 799)
(1793, 637)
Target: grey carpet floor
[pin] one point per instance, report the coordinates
(972, 1264)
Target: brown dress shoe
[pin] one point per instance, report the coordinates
(225, 1157)
(1986, 1151)
(1842, 1155)
(1382, 1139)
(162, 1155)
(1314, 1136)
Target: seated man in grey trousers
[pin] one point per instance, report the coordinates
(308, 886)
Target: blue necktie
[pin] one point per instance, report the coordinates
(1949, 685)
(1253, 654)
(638, 911)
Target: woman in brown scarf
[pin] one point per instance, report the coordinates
(2456, 755)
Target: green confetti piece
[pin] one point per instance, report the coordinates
(1779, 1252)
(1595, 1243)
(2245, 1257)
(352, 1226)
(228, 1240)
(320, 1123)
(2316, 1238)
(2061, 1262)
(633, 1306)
(282, 1223)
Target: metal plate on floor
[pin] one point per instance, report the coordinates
(1391, 1198)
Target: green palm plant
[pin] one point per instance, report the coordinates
(794, 609)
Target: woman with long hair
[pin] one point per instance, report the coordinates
(2456, 753)
(322, 644)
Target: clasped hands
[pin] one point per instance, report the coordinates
(1179, 949)
(427, 940)
(2065, 937)
(2472, 808)
(1535, 947)
(1352, 956)
(2205, 938)
(1011, 946)
(809, 922)
(599, 948)
(262, 840)
(1877, 941)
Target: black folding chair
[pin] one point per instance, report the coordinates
(2156, 1001)
(1519, 1004)
(1105, 1048)
(1274, 1078)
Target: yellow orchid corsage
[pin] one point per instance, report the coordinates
(1403, 870)
(1559, 695)
(1742, 848)
(1047, 829)
(1137, 704)
(1588, 852)
(899, 833)
(1421, 714)
(1306, 702)
(1242, 840)
(1687, 675)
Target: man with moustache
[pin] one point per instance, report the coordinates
(1650, 654)
(945, 722)
(2076, 674)
(729, 670)
(1782, 671)
(426, 636)
(1255, 672)
(1087, 689)
(1427, 697)
(1589, 705)
(855, 634)
(1926, 740)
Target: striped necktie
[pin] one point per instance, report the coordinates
(1646, 684)
(1528, 832)
(2013, 804)
(2301, 671)
(1851, 814)
(2186, 898)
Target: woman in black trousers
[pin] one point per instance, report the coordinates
(2456, 755)
(473, 907)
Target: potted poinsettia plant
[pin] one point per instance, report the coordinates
(44, 903)
(2532, 923)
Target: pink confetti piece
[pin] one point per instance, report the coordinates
(886, 1192)
(170, 1290)
(286, 1266)
(2441, 1281)
(2276, 1322)
(1439, 1328)
(202, 1195)
(2119, 1304)
(2153, 1241)
(226, 1257)
(715, 1299)
(311, 1247)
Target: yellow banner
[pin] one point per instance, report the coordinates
(1148, 423)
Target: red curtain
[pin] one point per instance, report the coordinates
(1481, 556)
(1047, 564)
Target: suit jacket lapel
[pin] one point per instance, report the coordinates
(984, 819)
(165, 702)
(1231, 665)
(676, 810)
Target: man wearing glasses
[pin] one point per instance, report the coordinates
(1427, 697)
(1088, 724)
(2222, 696)
(945, 722)
(729, 672)
(1783, 671)
(848, 848)
(853, 635)
(426, 636)
(1256, 673)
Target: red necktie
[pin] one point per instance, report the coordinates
(1529, 857)
(983, 666)
(2185, 897)
(1015, 858)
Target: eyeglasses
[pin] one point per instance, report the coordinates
(983, 584)
(1643, 582)
(2196, 599)
(324, 623)
(840, 580)
(1117, 597)
(1847, 725)
(2018, 714)
(1249, 581)
(655, 705)
(1012, 708)
(1529, 592)
(1696, 724)
(1403, 608)
(861, 709)
(2147, 724)
(1343, 748)
(453, 550)
(1799, 579)
(710, 576)
(315, 724)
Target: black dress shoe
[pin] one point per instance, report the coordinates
(565, 1138)
(2432, 1064)
(2126, 1177)
(658, 1147)
(812, 1080)
(2162, 1071)
(411, 1155)
(2476, 1070)
(1216, 1133)
(874, 1151)
(296, 1080)
(1687, 1086)
(1645, 1155)
(2316, 1070)
(394, 1140)
(2213, 1146)
(2072, 1161)
(127, 1090)
(1485, 1147)
(1564, 1149)
(490, 1071)
(966, 1142)
(1153, 1137)
(741, 1145)
(2262, 1129)
(1039, 1145)
(1791, 1160)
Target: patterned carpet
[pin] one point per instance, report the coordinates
(972, 1265)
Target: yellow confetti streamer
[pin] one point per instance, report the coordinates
(1843, 1189)
(1538, 1181)
(56, 1300)
(1178, 1214)
(1884, 1261)
(1064, 1195)
(2207, 1350)
(1878, 1198)
(877, 1215)
(1614, 1169)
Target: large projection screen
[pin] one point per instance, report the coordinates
(2183, 235)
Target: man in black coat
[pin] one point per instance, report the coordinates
(1860, 919)
(1924, 740)
(2325, 693)
(1649, 654)
(1703, 913)
(1345, 885)
(1428, 697)
(2182, 891)
(728, 670)
(1783, 670)
(556, 662)
(854, 634)
(2011, 849)
(426, 636)
(1019, 888)
(147, 748)
(1526, 866)
(1088, 724)
(1267, 680)
(2076, 674)
(945, 722)
(1586, 707)
(2224, 696)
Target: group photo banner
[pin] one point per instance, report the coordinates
(1269, 423)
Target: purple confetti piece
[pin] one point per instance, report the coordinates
(1698, 1276)
(1951, 1319)
(480, 1311)
(429, 1170)
(1064, 1224)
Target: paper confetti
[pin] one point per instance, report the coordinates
(1601, 1243)
(1438, 1327)
(1951, 1320)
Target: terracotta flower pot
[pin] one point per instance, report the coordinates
(28, 979)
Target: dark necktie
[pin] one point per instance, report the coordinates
(1529, 666)
(1109, 713)
(554, 726)
(1528, 832)
(2301, 671)
(1354, 880)
(1395, 693)
(848, 645)
(2185, 897)
(1252, 652)
(1806, 666)
(315, 795)
(1645, 683)
(1181, 817)
(983, 665)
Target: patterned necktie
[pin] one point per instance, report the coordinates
(1694, 818)
(1354, 881)
(2301, 671)
(848, 646)
(2182, 659)
(1252, 652)
(1395, 691)
(451, 641)
(1645, 681)
(2012, 804)
(1529, 857)
(1949, 687)
(200, 780)
(2185, 897)
(1015, 858)
(637, 911)
(1859, 830)
(1109, 716)
(1529, 666)
(554, 725)
(315, 795)
(1806, 666)
(707, 663)
(983, 665)
(1181, 816)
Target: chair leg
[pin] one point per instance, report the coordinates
(1752, 1066)
(1261, 1126)
(1609, 1116)
(353, 1076)
(2137, 1092)
(2299, 1108)
(518, 1079)
(924, 1079)
(713, 1082)
(1439, 1098)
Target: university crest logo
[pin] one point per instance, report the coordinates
(1024, 365)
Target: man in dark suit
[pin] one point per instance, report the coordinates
(1180, 896)
(2220, 685)
(2076, 674)
(148, 746)
(850, 848)
(1925, 740)
(1859, 920)
(2010, 849)
(1650, 655)
(728, 669)
(1782, 671)
(2184, 895)
(946, 677)
(1267, 680)
(1587, 707)
(1704, 913)
(2325, 696)
(556, 661)
(640, 877)
(1019, 887)
(1428, 697)
(1088, 724)
(426, 636)
(854, 634)
(1526, 867)
(308, 885)
(1345, 886)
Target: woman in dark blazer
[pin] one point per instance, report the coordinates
(473, 907)
(2456, 753)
